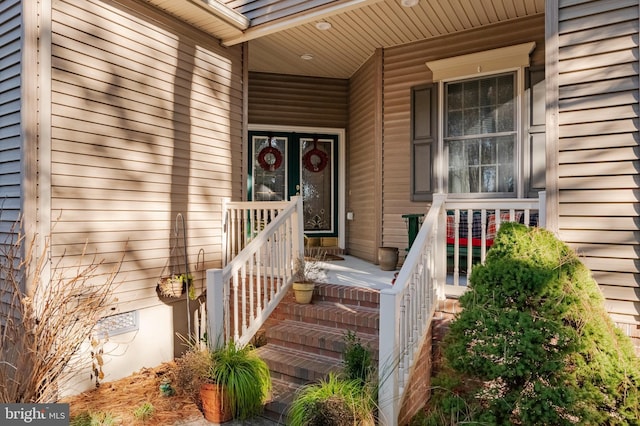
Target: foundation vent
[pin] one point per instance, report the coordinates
(117, 324)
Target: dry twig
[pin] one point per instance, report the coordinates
(46, 314)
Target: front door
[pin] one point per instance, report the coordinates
(286, 164)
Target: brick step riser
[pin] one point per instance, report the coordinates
(350, 323)
(298, 375)
(333, 348)
(346, 326)
(347, 302)
(351, 296)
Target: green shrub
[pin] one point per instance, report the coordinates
(334, 401)
(357, 359)
(534, 343)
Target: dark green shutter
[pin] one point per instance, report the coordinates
(424, 137)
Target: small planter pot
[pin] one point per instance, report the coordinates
(388, 258)
(215, 405)
(303, 292)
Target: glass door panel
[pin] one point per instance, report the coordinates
(269, 159)
(317, 182)
(282, 165)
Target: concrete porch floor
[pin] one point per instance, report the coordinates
(353, 271)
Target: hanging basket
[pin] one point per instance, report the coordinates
(171, 286)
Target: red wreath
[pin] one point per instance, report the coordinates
(271, 162)
(315, 160)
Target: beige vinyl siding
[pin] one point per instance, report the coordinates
(289, 100)
(363, 175)
(10, 119)
(404, 67)
(598, 145)
(146, 124)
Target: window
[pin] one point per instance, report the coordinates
(480, 135)
(477, 130)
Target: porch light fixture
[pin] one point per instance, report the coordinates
(323, 25)
(409, 3)
(306, 56)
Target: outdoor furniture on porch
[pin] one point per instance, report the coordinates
(482, 228)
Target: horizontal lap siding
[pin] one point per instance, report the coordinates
(10, 121)
(404, 67)
(146, 124)
(289, 100)
(363, 176)
(599, 157)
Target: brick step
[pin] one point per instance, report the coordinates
(318, 339)
(347, 295)
(359, 319)
(282, 395)
(297, 367)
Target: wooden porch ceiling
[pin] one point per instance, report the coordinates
(279, 32)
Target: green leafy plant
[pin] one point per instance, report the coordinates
(94, 418)
(244, 377)
(144, 412)
(534, 343)
(166, 389)
(357, 359)
(334, 401)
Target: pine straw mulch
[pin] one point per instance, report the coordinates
(121, 397)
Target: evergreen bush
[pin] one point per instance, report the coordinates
(534, 343)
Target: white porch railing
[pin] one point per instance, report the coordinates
(243, 220)
(471, 228)
(432, 270)
(406, 310)
(268, 237)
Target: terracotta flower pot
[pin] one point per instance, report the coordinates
(215, 404)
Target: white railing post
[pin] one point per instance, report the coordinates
(298, 227)
(440, 251)
(215, 308)
(388, 356)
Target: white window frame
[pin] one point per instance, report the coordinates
(472, 66)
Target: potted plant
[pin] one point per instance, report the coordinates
(229, 382)
(174, 285)
(306, 272)
(241, 377)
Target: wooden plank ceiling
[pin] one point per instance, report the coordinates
(280, 32)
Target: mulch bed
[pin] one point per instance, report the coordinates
(121, 397)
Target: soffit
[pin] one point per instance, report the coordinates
(283, 30)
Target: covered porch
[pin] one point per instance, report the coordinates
(265, 239)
